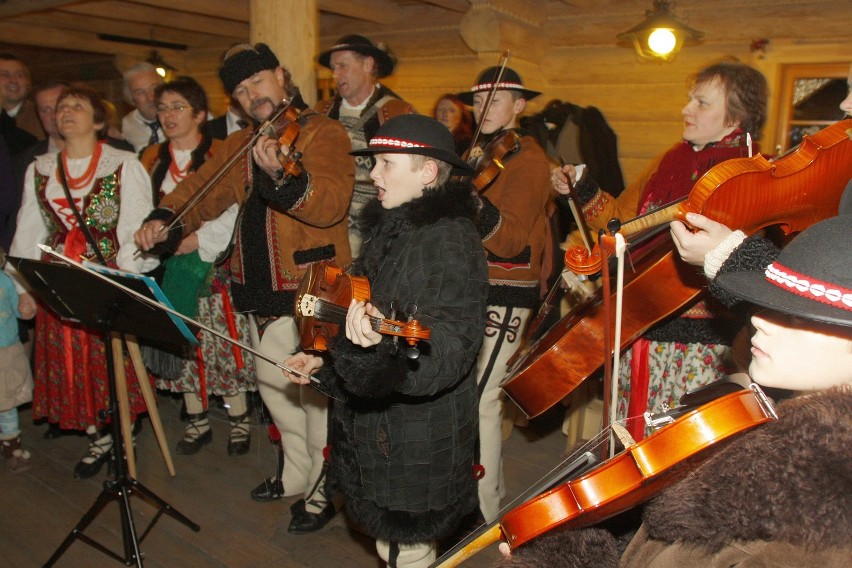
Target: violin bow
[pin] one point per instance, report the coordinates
(261, 130)
(504, 59)
(160, 306)
(577, 210)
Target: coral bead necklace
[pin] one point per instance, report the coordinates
(88, 175)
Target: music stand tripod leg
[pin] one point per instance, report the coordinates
(150, 401)
(123, 402)
(118, 488)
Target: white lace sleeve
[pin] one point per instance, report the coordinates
(136, 204)
(214, 236)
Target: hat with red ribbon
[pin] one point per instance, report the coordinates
(811, 278)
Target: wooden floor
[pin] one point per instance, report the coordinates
(40, 507)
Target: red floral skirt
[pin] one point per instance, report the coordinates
(70, 383)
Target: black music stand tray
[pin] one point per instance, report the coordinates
(74, 294)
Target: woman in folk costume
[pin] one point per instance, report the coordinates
(194, 284)
(110, 192)
(727, 101)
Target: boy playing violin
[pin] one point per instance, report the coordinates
(404, 424)
(779, 495)
(512, 224)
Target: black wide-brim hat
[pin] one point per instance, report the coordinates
(385, 61)
(509, 81)
(416, 134)
(811, 278)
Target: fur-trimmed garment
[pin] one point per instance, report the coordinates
(777, 496)
(404, 430)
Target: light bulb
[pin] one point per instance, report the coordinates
(662, 41)
(161, 72)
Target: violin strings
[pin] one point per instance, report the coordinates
(333, 313)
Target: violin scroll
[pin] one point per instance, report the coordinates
(491, 162)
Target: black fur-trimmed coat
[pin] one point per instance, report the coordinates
(404, 430)
(780, 495)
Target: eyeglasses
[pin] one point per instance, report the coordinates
(163, 109)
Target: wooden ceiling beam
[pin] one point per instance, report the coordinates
(161, 18)
(18, 7)
(53, 38)
(96, 25)
(376, 11)
(461, 6)
(227, 9)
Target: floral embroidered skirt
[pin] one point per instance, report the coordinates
(669, 369)
(71, 386)
(225, 369)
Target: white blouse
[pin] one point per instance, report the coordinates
(136, 204)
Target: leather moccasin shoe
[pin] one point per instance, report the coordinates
(304, 522)
(191, 446)
(269, 489)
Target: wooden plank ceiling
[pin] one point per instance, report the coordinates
(134, 27)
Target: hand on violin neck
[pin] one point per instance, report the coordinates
(266, 152)
(305, 363)
(359, 327)
(693, 246)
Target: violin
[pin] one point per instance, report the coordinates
(491, 161)
(291, 160)
(750, 194)
(793, 192)
(631, 477)
(323, 299)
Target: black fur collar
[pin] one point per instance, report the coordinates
(448, 201)
(451, 201)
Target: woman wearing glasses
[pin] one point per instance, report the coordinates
(84, 201)
(195, 285)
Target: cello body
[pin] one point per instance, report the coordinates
(749, 194)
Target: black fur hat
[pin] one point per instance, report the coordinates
(385, 61)
(243, 64)
(416, 134)
(811, 278)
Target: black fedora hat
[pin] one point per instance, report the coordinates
(811, 278)
(509, 81)
(416, 134)
(385, 60)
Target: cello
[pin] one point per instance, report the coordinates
(792, 192)
(626, 480)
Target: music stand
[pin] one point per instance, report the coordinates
(74, 294)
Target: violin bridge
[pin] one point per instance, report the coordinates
(623, 435)
(307, 305)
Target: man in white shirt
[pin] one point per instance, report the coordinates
(15, 84)
(140, 127)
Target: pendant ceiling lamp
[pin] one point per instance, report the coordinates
(660, 36)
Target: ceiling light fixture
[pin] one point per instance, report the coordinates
(661, 35)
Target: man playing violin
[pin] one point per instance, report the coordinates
(778, 495)
(512, 224)
(404, 429)
(285, 223)
(361, 104)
